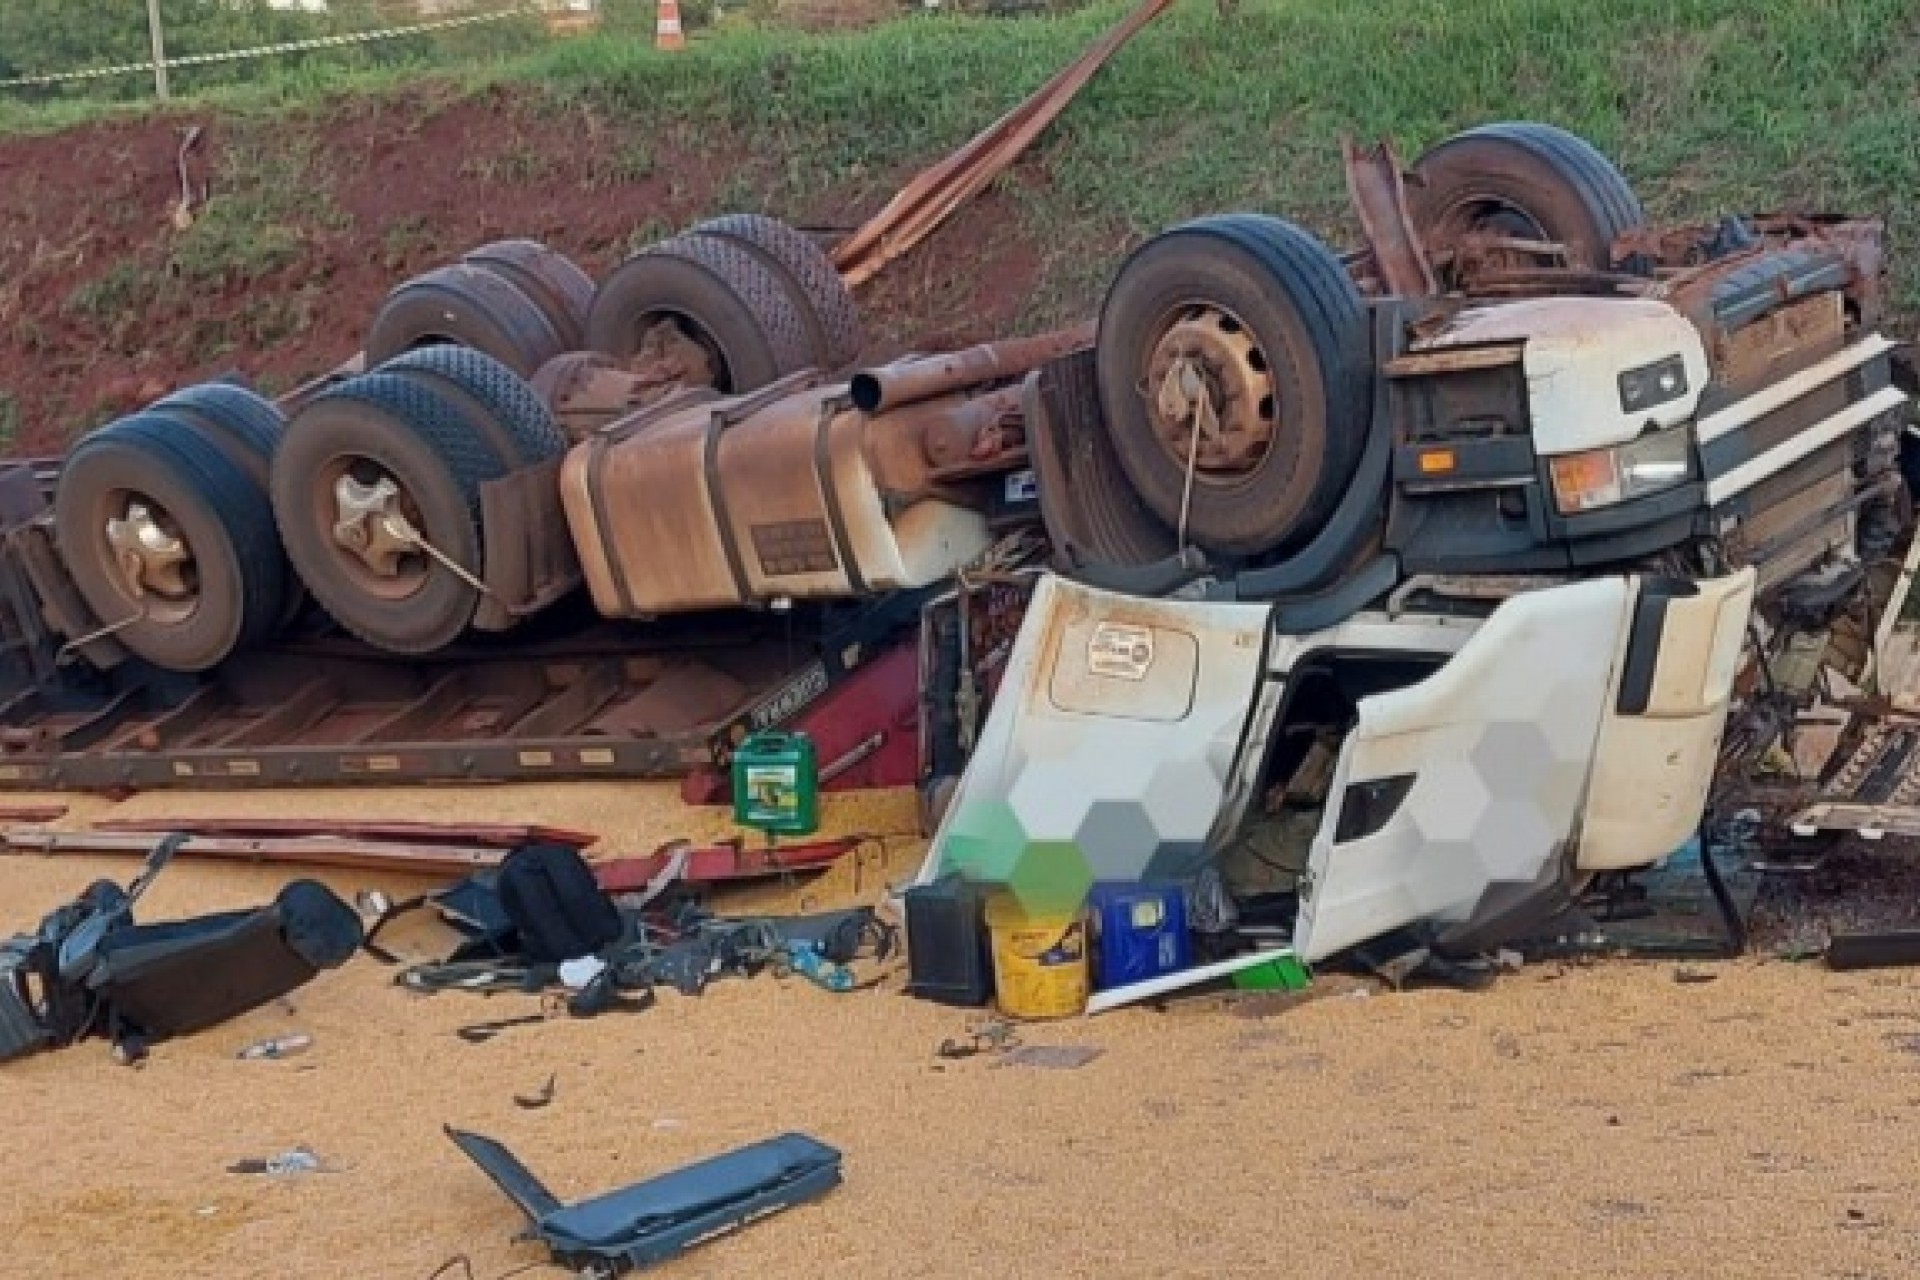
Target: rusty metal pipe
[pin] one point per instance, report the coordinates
(889, 387)
(956, 436)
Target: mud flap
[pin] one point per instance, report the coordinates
(1107, 753)
(528, 553)
(1459, 798)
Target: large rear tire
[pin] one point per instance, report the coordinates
(813, 282)
(550, 278)
(164, 533)
(247, 428)
(1262, 318)
(525, 432)
(243, 425)
(716, 293)
(465, 306)
(373, 447)
(1524, 181)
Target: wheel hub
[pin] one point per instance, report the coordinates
(1490, 235)
(151, 557)
(370, 523)
(1208, 377)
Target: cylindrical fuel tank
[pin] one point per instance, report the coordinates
(787, 493)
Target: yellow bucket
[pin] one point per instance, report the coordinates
(1039, 961)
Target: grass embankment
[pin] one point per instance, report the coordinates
(1708, 105)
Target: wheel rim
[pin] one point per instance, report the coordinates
(1208, 377)
(670, 347)
(153, 563)
(373, 525)
(1483, 216)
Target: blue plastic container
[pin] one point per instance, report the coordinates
(1139, 932)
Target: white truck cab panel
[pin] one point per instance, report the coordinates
(1128, 739)
(1574, 352)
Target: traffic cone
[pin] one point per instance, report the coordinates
(666, 31)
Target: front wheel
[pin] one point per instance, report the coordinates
(1235, 374)
(1480, 193)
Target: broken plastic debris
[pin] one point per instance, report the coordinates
(287, 1164)
(539, 1098)
(276, 1047)
(577, 974)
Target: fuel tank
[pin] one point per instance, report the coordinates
(788, 493)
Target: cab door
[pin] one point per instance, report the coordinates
(1456, 801)
(1107, 752)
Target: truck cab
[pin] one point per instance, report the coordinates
(1413, 589)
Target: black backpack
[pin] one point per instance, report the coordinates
(557, 907)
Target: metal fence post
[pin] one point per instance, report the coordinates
(159, 49)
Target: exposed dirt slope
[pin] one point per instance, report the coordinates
(106, 301)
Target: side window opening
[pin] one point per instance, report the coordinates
(1262, 861)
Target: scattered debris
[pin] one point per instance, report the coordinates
(543, 1097)
(654, 1220)
(309, 850)
(32, 812)
(1282, 966)
(1054, 1057)
(288, 1164)
(1686, 974)
(275, 1047)
(924, 203)
(1893, 948)
(498, 835)
(181, 212)
(98, 972)
(995, 1036)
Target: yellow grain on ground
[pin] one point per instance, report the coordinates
(1604, 1121)
(629, 817)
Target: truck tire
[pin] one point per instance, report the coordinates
(206, 567)
(1530, 181)
(1267, 320)
(523, 428)
(243, 425)
(465, 306)
(813, 282)
(720, 295)
(553, 280)
(246, 427)
(386, 431)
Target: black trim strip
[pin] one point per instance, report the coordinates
(1643, 641)
(1306, 614)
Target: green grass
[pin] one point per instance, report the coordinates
(1709, 106)
(268, 194)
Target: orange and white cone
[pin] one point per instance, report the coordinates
(666, 31)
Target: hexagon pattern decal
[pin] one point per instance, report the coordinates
(1080, 813)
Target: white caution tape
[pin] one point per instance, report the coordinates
(262, 51)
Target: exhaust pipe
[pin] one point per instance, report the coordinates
(889, 387)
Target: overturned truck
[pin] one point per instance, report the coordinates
(1416, 583)
(1463, 550)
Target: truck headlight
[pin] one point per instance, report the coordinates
(1603, 477)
